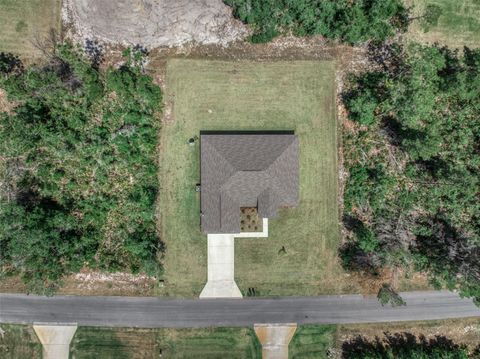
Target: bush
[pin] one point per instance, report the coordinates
(386, 295)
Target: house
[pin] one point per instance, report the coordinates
(247, 169)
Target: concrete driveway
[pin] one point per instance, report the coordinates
(221, 264)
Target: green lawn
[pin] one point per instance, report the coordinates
(458, 25)
(19, 342)
(215, 95)
(119, 343)
(312, 342)
(22, 22)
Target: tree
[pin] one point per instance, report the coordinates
(386, 295)
(431, 16)
(450, 257)
(403, 346)
(413, 163)
(85, 190)
(350, 21)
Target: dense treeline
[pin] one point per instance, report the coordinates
(349, 21)
(405, 346)
(412, 199)
(78, 168)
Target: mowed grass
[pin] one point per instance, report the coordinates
(19, 342)
(458, 25)
(120, 343)
(312, 342)
(216, 95)
(24, 22)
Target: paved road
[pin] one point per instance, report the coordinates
(159, 312)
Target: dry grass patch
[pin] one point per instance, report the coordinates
(24, 22)
(458, 24)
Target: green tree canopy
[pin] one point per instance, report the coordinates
(403, 346)
(350, 21)
(78, 153)
(414, 163)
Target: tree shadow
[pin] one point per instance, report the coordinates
(399, 345)
(10, 63)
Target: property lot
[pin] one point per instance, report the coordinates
(21, 342)
(458, 24)
(216, 95)
(309, 341)
(239, 343)
(312, 341)
(24, 23)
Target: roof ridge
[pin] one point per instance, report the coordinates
(290, 137)
(280, 155)
(212, 145)
(275, 180)
(235, 169)
(228, 180)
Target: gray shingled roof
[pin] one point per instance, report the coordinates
(246, 170)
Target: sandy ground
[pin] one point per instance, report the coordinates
(153, 23)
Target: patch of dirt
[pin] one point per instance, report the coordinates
(249, 220)
(90, 282)
(12, 284)
(5, 105)
(371, 285)
(153, 23)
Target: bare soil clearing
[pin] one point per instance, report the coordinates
(153, 23)
(89, 282)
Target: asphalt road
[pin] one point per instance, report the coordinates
(160, 312)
